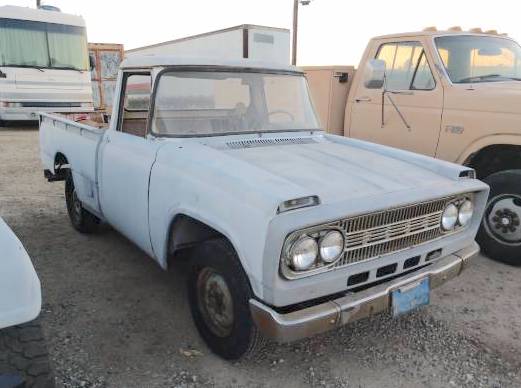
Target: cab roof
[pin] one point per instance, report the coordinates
(435, 33)
(149, 61)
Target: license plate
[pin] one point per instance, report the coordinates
(410, 297)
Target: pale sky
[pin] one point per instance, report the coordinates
(331, 32)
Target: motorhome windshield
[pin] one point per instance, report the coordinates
(206, 103)
(474, 58)
(25, 43)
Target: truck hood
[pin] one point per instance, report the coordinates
(332, 167)
(497, 97)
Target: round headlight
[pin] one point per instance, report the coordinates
(303, 253)
(449, 217)
(466, 210)
(331, 246)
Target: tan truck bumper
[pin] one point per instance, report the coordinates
(335, 313)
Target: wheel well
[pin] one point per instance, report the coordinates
(494, 158)
(185, 233)
(60, 160)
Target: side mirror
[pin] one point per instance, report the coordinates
(374, 75)
(92, 62)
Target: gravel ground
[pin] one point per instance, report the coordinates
(114, 319)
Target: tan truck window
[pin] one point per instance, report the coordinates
(471, 59)
(406, 66)
(423, 79)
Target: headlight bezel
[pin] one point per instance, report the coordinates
(458, 203)
(317, 233)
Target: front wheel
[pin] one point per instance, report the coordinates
(500, 231)
(81, 219)
(219, 294)
(24, 358)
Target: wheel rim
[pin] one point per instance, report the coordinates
(502, 219)
(215, 302)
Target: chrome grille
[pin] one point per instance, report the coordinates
(376, 234)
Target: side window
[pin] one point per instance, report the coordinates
(136, 102)
(406, 66)
(423, 79)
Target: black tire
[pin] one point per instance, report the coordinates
(81, 219)
(240, 338)
(500, 226)
(23, 354)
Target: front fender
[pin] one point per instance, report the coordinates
(185, 188)
(486, 141)
(20, 293)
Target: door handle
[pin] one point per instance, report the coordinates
(363, 99)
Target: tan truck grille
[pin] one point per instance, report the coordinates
(372, 235)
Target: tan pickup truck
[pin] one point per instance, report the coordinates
(452, 94)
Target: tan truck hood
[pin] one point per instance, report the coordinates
(498, 97)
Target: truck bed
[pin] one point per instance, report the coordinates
(71, 141)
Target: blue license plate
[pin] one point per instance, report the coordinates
(410, 297)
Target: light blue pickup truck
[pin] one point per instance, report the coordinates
(289, 231)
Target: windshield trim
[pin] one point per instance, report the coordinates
(213, 68)
(441, 64)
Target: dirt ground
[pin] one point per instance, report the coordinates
(114, 319)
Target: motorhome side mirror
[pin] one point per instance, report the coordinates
(374, 74)
(92, 62)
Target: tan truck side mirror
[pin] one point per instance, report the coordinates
(374, 74)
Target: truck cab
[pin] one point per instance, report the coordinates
(449, 94)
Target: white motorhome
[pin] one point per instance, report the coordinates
(44, 63)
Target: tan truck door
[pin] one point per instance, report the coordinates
(412, 105)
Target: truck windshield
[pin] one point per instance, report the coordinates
(25, 43)
(206, 103)
(471, 59)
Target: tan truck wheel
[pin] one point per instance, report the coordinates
(500, 232)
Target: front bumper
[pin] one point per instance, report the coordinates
(352, 307)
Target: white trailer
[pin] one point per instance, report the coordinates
(260, 43)
(44, 63)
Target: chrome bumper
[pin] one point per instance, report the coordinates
(352, 307)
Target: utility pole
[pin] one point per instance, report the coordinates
(295, 28)
(38, 3)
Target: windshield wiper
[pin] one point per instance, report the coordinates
(480, 78)
(35, 67)
(69, 68)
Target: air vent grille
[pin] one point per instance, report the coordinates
(269, 142)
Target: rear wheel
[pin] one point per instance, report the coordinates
(24, 357)
(500, 231)
(81, 219)
(219, 293)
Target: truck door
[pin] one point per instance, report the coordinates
(412, 104)
(127, 156)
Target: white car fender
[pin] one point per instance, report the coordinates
(20, 292)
